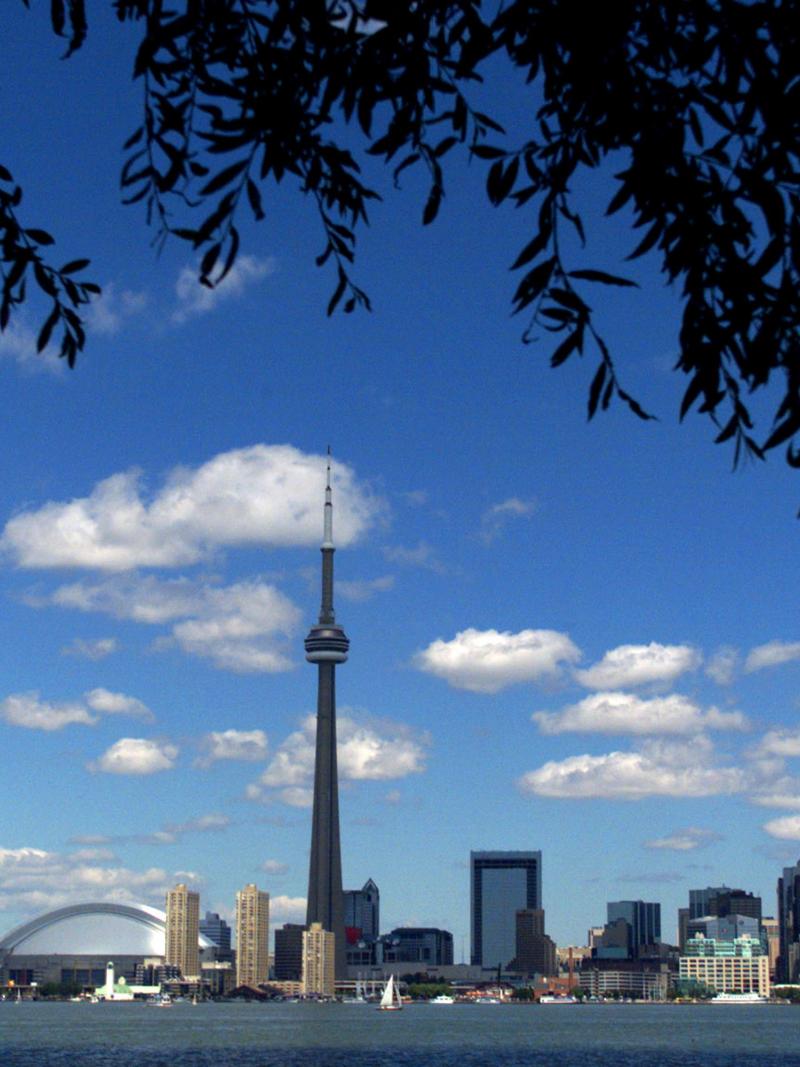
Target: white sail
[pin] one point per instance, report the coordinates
(390, 1001)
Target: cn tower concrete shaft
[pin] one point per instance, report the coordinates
(327, 645)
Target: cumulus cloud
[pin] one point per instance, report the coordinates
(109, 703)
(261, 495)
(423, 555)
(376, 751)
(33, 880)
(495, 518)
(94, 649)
(249, 746)
(639, 665)
(363, 589)
(781, 743)
(107, 312)
(197, 299)
(242, 627)
(283, 909)
(136, 755)
(486, 661)
(658, 769)
(693, 837)
(787, 828)
(18, 343)
(28, 710)
(274, 867)
(772, 654)
(721, 668)
(624, 713)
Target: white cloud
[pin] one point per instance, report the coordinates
(274, 867)
(721, 668)
(261, 495)
(362, 589)
(94, 650)
(377, 751)
(249, 746)
(780, 797)
(18, 343)
(26, 709)
(283, 909)
(638, 665)
(242, 627)
(109, 703)
(486, 661)
(658, 769)
(33, 880)
(136, 755)
(202, 824)
(780, 743)
(787, 828)
(772, 654)
(423, 555)
(495, 518)
(693, 837)
(197, 299)
(624, 713)
(106, 313)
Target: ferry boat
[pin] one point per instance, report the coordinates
(555, 998)
(739, 998)
(443, 998)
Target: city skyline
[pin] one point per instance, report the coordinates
(583, 633)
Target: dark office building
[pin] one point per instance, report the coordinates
(362, 910)
(289, 953)
(788, 965)
(426, 945)
(536, 952)
(643, 919)
(722, 900)
(218, 931)
(501, 884)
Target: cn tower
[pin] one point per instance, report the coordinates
(327, 645)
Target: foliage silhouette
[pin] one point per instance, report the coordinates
(701, 98)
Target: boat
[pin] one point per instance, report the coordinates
(443, 998)
(391, 1000)
(739, 998)
(554, 998)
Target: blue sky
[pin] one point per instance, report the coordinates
(577, 637)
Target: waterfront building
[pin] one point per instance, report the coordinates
(422, 945)
(733, 966)
(788, 967)
(724, 927)
(326, 645)
(319, 960)
(635, 979)
(362, 911)
(219, 933)
(289, 952)
(770, 931)
(535, 951)
(73, 944)
(643, 919)
(252, 936)
(501, 883)
(183, 930)
(218, 977)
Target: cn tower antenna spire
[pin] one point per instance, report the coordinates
(327, 645)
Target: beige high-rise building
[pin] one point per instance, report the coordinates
(183, 930)
(319, 954)
(252, 936)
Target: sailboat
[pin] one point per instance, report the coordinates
(391, 1001)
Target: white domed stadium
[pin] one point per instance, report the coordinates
(74, 943)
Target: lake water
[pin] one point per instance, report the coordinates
(423, 1035)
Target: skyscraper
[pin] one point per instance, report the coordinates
(217, 930)
(252, 936)
(362, 909)
(327, 645)
(788, 966)
(318, 961)
(182, 938)
(643, 919)
(501, 883)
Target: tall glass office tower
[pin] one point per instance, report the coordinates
(501, 883)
